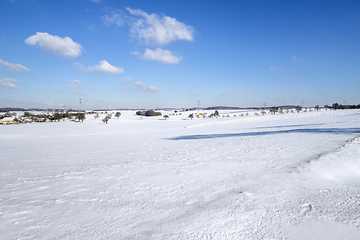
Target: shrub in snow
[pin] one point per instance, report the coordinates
(80, 116)
(149, 113)
(57, 116)
(298, 108)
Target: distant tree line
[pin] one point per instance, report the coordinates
(337, 106)
(56, 116)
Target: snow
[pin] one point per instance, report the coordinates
(289, 176)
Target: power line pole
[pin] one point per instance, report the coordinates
(302, 103)
(198, 104)
(264, 105)
(80, 104)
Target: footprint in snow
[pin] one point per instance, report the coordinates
(248, 194)
(306, 208)
(326, 191)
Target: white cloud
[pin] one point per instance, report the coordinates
(104, 66)
(49, 103)
(274, 68)
(74, 83)
(96, 1)
(8, 82)
(295, 58)
(14, 67)
(154, 29)
(64, 47)
(143, 87)
(160, 55)
(78, 92)
(135, 53)
(126, 80)
(114, 18)
(91, 27)
(140, 85)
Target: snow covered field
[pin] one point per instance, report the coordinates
(290, 176)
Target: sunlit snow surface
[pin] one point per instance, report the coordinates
(291, 176)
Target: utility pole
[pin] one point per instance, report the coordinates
(80, 104)
(198, 104)
(302, 103)
(264, 105)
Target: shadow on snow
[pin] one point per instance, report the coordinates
(314, 131)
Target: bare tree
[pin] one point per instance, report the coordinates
(335, 106)
(274, 110)
(106, 119)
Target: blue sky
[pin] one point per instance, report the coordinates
(153, 54)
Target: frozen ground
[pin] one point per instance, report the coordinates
(291, 176)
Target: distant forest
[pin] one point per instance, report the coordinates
(334, 106)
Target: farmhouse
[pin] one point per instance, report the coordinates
(8, 120)
(27, 120)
